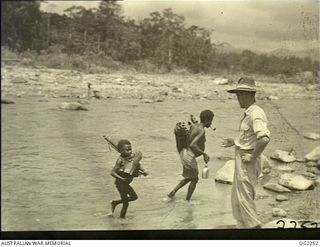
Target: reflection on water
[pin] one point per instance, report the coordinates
(56, 166)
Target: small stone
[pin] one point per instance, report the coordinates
(312, 136)
(314, 170)
(266, 170)
(309, 175)
(75, 106)
(278, 212)
(281, 198)
(177, 90)
(311, 164)
(272, 97)
(43, 100)
(147, 101)
(284, 169)
(83, 102)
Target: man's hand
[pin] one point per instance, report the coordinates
(247, 158)
(227, 142)
(144, 173)
(206, 158)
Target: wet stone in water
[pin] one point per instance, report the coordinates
(295, 182)
(311, 164)
(314, 154)
(278, 212)
(276, 187)
(281, 198)
(283, 156)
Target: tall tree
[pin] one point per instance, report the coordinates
(20, 24)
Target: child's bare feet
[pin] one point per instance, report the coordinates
(113, 206)
(169, 198)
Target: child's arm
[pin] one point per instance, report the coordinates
(142, 171)
(136, 162)
(114, 170)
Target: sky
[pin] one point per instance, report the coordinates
(259, 25)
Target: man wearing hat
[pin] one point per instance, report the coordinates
(252, 139)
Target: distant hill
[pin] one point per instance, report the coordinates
(227, 48)
(313, 53)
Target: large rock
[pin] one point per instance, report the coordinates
(312, 136)
(282, 223)
(74, 106)
(5, 101)
(276, 188)
(19, 80)
(295, 182)
(278, 212)
(225, 174)
(221, 81)
(314, 154)
(283, 156)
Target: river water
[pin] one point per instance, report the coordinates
(56, 166)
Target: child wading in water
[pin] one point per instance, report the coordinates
(126, 168)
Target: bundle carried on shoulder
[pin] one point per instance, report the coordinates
(182, 132)
(137, 156)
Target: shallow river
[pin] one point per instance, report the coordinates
(56, 165)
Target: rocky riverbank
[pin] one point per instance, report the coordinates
(52, 83)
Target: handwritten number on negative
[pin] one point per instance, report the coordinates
(295, 224)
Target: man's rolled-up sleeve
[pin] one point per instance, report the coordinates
(260, 128)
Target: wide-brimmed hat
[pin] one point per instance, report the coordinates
(244, 84)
